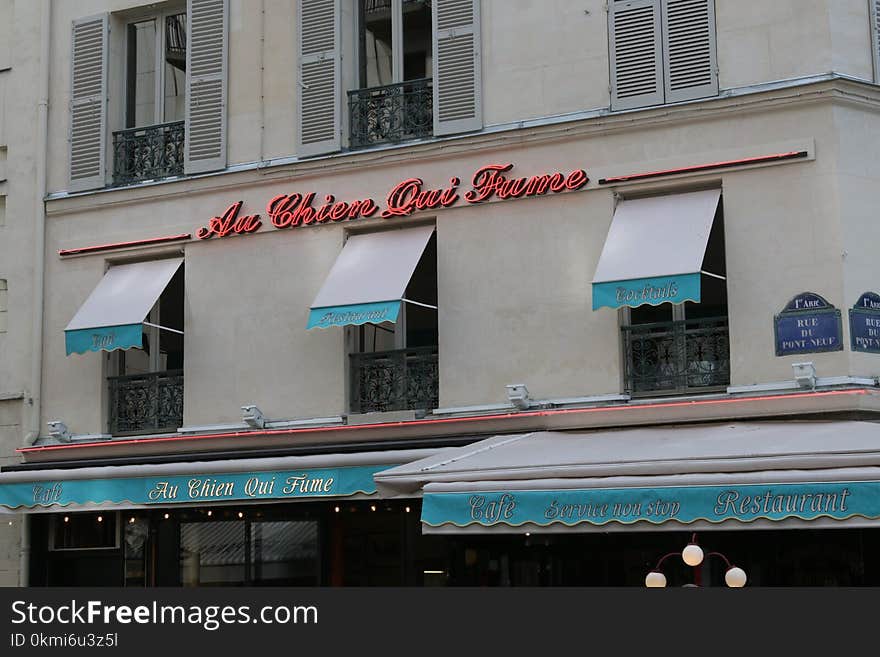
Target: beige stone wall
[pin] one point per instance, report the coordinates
(514, 276)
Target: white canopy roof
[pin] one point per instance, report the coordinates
(374, 267)
(125, 295)
(658, 236)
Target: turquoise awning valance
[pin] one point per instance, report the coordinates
(654, 250)
(368, 281)
(112, 316)
(359, 313)
(682, 504)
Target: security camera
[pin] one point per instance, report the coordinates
(804, 374)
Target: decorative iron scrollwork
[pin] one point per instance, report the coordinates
(403, 379)
(390, 114)
(676, 356)
(141, 403)
(149, 153)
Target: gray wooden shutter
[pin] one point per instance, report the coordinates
(635, 44)
(457, 66)
(206, 55)
(88, 103)
(689, 61)
(319, 88)
(875, 38)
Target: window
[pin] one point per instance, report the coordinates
(2, 211)
(4, 292)
(678, 348)
(393, 102)
(393, 366)
(168, 92)
(152, 144)
(246, 552)
(661, 51)
(84, 531)
(415, 71)
(146, 384)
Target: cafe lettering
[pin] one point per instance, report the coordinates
(299, 209)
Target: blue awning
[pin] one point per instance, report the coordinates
(613, 479)
(112, 316)
(203, 482)
(368, 281)
(654, 250)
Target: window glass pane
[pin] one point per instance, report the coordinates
(136, 532)
(84, 530)
(212, 553)
(284, 553)
(175, 68)
(416, 39)
(141, 81)
(376, 58)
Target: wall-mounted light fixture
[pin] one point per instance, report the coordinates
(804, 374)
(518, 395)
(253, 417)
(693, 556)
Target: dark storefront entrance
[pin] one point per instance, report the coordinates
(379, 543)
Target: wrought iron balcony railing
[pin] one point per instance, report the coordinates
(148, 153)
(390, 114)
(141, 403)
(403, 379)
(673, 357)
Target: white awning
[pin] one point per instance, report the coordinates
(368, 281)
(112, 316)
(199, 482)
(654, 250)
(738, 472)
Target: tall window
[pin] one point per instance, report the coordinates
(673, 348)
(146, 385)
(152, 144)
(661, 51)
(394, 365)
(393, 101)
(156, 70)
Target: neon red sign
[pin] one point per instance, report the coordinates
(405, 198)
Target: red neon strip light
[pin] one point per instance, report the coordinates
(121, 245)
(706, 167)
(451, 420)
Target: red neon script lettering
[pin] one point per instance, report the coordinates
(489, 181)
(408, 196)
(229, 222)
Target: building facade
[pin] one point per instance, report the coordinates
(453, 292)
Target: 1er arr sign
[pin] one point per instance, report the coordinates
(864, 324)
(808, 324)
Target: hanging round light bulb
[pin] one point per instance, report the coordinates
(735, 577)
(692, 554)
(655, 580)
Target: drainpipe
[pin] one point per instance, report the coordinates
(39, 265)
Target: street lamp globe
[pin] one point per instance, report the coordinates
(735, 577)
(692, 554)
(655, 580)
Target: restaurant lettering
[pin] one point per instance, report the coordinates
(647, 293)
(212, 489)
(683, 504)
(405, 198)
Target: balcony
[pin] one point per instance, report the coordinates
(390, 114)
(148, 153)
(403, 379)
(676, 357)
(146, 403)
